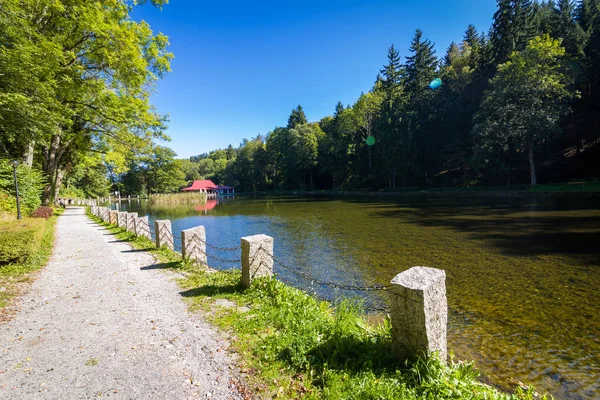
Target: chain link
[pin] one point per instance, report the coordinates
(221, 248)
(312, 279)
(330, 301)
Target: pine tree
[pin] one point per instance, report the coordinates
(391, 73)
(421, 66)
(502, 38)
(586, 12)
(512, 29)
(452, 52)
(297, 117)
(564, 26)
(339, 108)
(471, 36)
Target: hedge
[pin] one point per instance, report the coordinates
(20, 239)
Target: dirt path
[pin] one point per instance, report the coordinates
(101, 320)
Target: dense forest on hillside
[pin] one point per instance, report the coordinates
(518, 104)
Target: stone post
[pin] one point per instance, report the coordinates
(131, 222)
(112, 217)
(142, 227)
(122, 219)
(193, 244)
(257, 258)
(164, 234)
(419, 313)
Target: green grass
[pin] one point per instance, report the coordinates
(13, 275)
(291, 345)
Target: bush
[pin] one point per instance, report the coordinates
(31, 184)
(43, 212)
(20, 239)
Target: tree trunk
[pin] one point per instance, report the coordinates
(28, 156)
(50, 168)
(532, 165)
(58, 180)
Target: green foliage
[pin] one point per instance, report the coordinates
(20, 239)
(297, 117)
(527, 99)
(31, 183)
(77, 77)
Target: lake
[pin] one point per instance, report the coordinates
(523, 275)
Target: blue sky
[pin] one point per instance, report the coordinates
(240, 67)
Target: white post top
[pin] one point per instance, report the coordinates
(419, 278)
(255, 238)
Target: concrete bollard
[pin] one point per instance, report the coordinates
(112, 217)
(257, 258)
(142, 227)
(131, 222)
(164, 234)
(122, 219)
(419, 312)
(193, 244)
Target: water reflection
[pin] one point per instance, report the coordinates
(523, 275)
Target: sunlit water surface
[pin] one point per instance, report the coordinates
(523, 276)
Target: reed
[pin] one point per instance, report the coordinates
(176, 199)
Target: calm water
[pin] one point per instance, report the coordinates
(523, 276)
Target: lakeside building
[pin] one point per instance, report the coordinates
(207, 186)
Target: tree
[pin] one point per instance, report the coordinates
(91, 89)
(526, 100)
(162, 171)
(391, 73)
(297, 117)
(420, 65)
(512, 28)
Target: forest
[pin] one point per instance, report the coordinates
(518, 104)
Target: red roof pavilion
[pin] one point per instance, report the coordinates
(201, 186)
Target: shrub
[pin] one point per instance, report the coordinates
(42, 212)
(20, 239)
(31, 185)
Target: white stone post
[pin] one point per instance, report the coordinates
(257, 258)
(419, 313)
(193, 244)
(164, 234)
(142, 227)
(112, 217)
(122, 219)
(131, 222)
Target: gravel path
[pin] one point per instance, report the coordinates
(101, 320)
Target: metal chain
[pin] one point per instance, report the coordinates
(320, 282)
(221, 248)
(323, 298)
